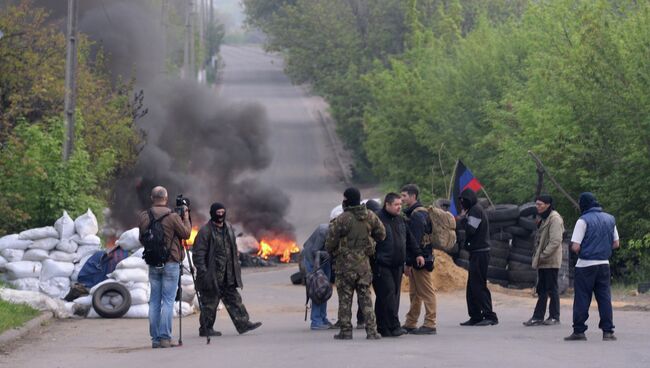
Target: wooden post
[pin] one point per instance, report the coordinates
(540, 167)
(70, 79)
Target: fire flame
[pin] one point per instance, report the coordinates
(277, 247)
(190, 241)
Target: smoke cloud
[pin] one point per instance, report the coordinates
(196, 144)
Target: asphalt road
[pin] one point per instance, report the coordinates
(300, 168)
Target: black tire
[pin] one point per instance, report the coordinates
(501, 236)
(520, 258)
(497, 273)
(522, 277)
(118, 311)
(500, 282)
(527, 209)
(499, 244)
(297, 278)
(522, 251)
(484, 202)
(497, 226)
(498, 262)
(520, 266)
(464, 263)
(523, 243)
(499, 252)
(518, 231)
(503, 212)
(527, 223)
(301, 264)
(463, 254)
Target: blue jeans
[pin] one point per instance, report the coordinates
(319, 311)
(164, 283)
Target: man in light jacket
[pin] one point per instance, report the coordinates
(547, 260)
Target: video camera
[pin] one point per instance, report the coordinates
(180, 203)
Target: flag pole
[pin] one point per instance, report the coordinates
(451, 183)
(487, 196)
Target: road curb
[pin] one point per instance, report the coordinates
(16, 333)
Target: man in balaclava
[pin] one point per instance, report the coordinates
(351, 242)
(547, 260)
(474, 221)
(218, 274)
(594, 237)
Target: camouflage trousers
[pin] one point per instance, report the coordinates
(234, 305)
(346, 285)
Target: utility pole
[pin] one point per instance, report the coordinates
(70, 79)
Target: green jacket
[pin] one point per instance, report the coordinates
(548, 242)
(352, 237)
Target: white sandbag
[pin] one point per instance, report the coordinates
(92, 290)
(116, 300)
(139, 296)
(36, 255)
(132, 262)
(64, 226)
(86, 224)
(84, 300)
(186, 308)
(75, 274)
(3, 262)
(89, 240)
(35, 300)
(14, 241)
(67, 245)
(12, 255)
(130, 274)
(86, 251)
(138, 253)
(45, 244)
(22, 269)
(56, 287)
(130, 240)
(27, 283)
(138, 285)
(105, 300)
(188, 293)
(92, 313)
(39, 233)
(187, 280)
(57, 255)
(56, 269)
(138, 311)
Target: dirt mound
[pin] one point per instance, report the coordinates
(446, 275)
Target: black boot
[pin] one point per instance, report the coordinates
(209, 332)
(250, 326)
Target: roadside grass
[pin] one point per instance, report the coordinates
(14, 315)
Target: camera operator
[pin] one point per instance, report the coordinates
(218, 274)
(164, 280)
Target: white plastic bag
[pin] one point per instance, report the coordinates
(14, 241)
(138, 253)
(84, 300)
(12, 255)
(186, 308)
(138, 311)
(45, 243)
(22, 269)
(130, 274)
(27, 283)
(67, 245)
(89, 240)
(94, 288)
(57, 255)
(3, 262)
(36, 255)
(40, 233)
(132, 262)
(56, 287)
(130, 240)
(86, 250)
(64, 226)
(86, 224)
(56, 269)
(139, 296)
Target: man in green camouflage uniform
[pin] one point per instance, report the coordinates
(351, 241)
(218, 274)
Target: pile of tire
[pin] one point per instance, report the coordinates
(501, 217)
(520, 272)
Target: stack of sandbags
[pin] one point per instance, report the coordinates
(47, 259)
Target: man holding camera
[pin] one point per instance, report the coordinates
(218, 274)
(164, 277)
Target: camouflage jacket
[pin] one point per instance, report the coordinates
(352, 237)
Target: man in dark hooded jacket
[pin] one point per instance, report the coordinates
(594, 237)
(388, 265)
(475, 223)
(218, 274)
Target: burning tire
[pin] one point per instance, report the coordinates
(108, 311)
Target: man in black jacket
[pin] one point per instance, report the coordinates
(218, 274)
(475, 223)
(388, 265)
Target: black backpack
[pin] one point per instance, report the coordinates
(155, 247)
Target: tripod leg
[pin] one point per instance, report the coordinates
(180, 308)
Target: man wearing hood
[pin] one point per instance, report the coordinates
(218, 274)
(594, 237)
(474, 221)
(351, 242)
(388, 265)
(547, 260)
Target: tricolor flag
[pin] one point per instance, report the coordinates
(463, 179)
